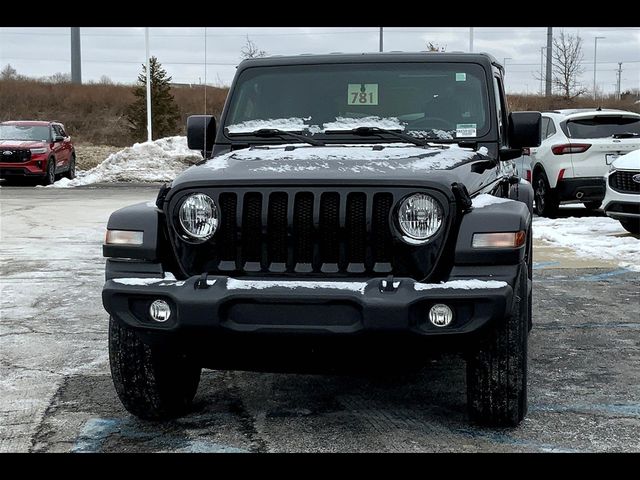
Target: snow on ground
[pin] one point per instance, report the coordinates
(596, 237)
(158, 161)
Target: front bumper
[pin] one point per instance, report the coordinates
(335, 308)
(621, 205)
(37, 166)
(587, 189)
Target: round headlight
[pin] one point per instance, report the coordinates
(420, 216)
(199, 216)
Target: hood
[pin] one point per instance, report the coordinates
(354, 162)
(24, 144)
(630, 161)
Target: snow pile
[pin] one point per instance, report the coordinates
(344, 123)
(292, 124)
(597, 237)
(234, 284)
(158, 161)
(471, 284)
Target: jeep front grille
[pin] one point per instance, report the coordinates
(622, 182)
(307, 232)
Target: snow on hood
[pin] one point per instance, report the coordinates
(158, 161)
(277, 158)
(22, 143)
(629, 161)
(484, 200)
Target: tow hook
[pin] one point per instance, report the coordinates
(389, 285)
(201, 283)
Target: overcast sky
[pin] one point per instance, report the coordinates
(118, 52)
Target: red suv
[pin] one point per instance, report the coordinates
(36, 149)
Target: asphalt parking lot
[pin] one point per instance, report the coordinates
(56, 393)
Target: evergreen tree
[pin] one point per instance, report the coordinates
(164, 111)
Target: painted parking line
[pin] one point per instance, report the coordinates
(630, 409)
(537, 265)
(96, 431)
(603, 276)
(506, 439)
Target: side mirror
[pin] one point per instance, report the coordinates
(58, 138)
(201, 132)
(524, 129)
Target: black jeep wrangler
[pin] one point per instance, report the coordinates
(351, 211)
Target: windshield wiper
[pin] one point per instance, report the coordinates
(276, 132)
(368, 131)
(625, 135)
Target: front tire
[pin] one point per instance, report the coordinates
(631, 225)
(50, 175)
(497, 369)
(546, 200)
(152, 384)
(71, 173)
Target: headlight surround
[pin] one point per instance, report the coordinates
(199, 217)
(38, 150)
(420, 217)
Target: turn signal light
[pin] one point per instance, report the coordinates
(499, 240)
(123, 237)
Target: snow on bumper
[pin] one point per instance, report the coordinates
(335, 307)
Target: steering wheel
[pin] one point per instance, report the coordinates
(427, 123)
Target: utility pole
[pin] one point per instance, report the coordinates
(76, 73)
(470, 39)
(146, 42)
(381, 42)
(547, 92)
(541, 70)
(619, 79)
(595, 55)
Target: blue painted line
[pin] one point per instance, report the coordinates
(568, 326)
(204, 446)
(537, 265)
(632, 409)
(503, 438)
(603, 276)
(94, 433)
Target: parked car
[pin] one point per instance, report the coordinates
(622, 200)
(37, 149)
(320, 233)
(577, 147)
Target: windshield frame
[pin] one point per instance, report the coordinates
(491, 135)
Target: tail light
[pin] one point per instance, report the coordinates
(570, 148)
(561, 174)
(529, 176)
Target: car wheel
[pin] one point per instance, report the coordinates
(592, 205)
(50, 175)
(545, 198)
(71, 173)
(497, 369)
(152, 384)
(631, 225)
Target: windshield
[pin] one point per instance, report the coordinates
(427, 100)
(602, 127)
(24, 132)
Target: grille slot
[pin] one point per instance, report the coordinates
(622, 182)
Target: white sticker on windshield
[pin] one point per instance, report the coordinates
(362, 94)
(461, 77)
(465, 130)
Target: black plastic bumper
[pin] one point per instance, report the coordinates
(334, 308)
(589, 189)
(618, 210)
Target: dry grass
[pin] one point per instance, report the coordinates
(93, 113)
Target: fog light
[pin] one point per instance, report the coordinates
(160, 311)
(440, 315)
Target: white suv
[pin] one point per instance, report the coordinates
(576, 150)
(622, 200)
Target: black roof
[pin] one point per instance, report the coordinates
(309, 59)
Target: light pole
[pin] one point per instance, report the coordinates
(541, 67)
(381, 42)
(595, 54)
(146, 43)
(504, 63)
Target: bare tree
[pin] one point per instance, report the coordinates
(567, 65)
(8, 73)
(251, 50)
(105, 80)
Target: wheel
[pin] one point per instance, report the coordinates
(497, 369)
(71, 173)
(50, 175)
(529, 260)
(631, 225)
(151, 384)
(545, 198)
(592, 205)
